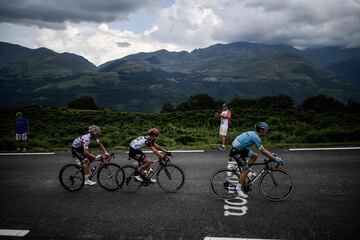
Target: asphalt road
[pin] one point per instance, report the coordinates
(324, 203)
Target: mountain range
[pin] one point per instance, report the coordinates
(145, 81)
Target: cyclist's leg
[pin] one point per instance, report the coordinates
(146, 162)
(247, 154)
(139, 156)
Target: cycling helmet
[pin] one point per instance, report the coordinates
(94, 130)
(154, 132)
(262, 125)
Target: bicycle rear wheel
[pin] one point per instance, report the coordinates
(223, 183)
(125, 178)
(170, 178)
(275, 185)
(71, 177)
(106, 176)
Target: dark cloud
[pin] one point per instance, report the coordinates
(123, 44)
(53, 13)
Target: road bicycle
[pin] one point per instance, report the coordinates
(168, 176)
(72, 176)
(274, 183)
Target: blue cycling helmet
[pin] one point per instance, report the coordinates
(262, 125)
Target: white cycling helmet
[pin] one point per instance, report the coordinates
(94, 130)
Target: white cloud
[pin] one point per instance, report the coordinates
(97, 43)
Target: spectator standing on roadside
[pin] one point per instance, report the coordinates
(21, 132)
(224, 116)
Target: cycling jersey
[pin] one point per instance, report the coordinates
(83, 141)
(247, 139)
(142, 142)
(225, 122)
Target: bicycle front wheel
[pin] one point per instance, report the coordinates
(275, 185)
(125, 178)
(223, 183)
(71, 177)
(106, 176)
(170, 178)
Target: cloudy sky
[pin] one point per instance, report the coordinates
(103, 30)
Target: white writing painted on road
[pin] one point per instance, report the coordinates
(235, 206)
(13, 232)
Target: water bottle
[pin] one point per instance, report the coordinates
(78, 162)
(252, 175)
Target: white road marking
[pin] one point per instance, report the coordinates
(225, 238)
(324, 149)
(181, 151)
(13, 232)
(231, 201)
(22, 154)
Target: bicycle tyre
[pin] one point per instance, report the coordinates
(222, 183)
(170, 178)
(71, 177)
(278, 191)
(126, 180)
(106, 176)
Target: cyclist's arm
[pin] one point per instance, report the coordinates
(101, 146)
(160, 147)
(155, 150)
(266, 153)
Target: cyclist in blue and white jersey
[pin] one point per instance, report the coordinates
(80, 149)
(240, 151)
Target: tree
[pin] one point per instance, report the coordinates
(167, 107)
(322, 103)
(202, 101)
(240, 103)
(83, 103)
(279, 102)
(353, 106)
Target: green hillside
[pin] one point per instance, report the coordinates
(143, 82)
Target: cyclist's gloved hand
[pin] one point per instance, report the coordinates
(279, 161)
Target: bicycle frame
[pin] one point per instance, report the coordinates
(161, 164)
(265, 169)
(99, 163)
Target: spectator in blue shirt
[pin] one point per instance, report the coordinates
(21, 132)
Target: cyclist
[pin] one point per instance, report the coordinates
(240, 151)
(135, 152)
(80, 149)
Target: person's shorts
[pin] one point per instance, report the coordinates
(136, 154)
(223, 131)
(78, 153)
(21, 137)
(240, 155)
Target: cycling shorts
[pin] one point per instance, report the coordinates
(136, 154)
(240, 155)
(78, 153)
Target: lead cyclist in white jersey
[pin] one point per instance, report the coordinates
(80, 149)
